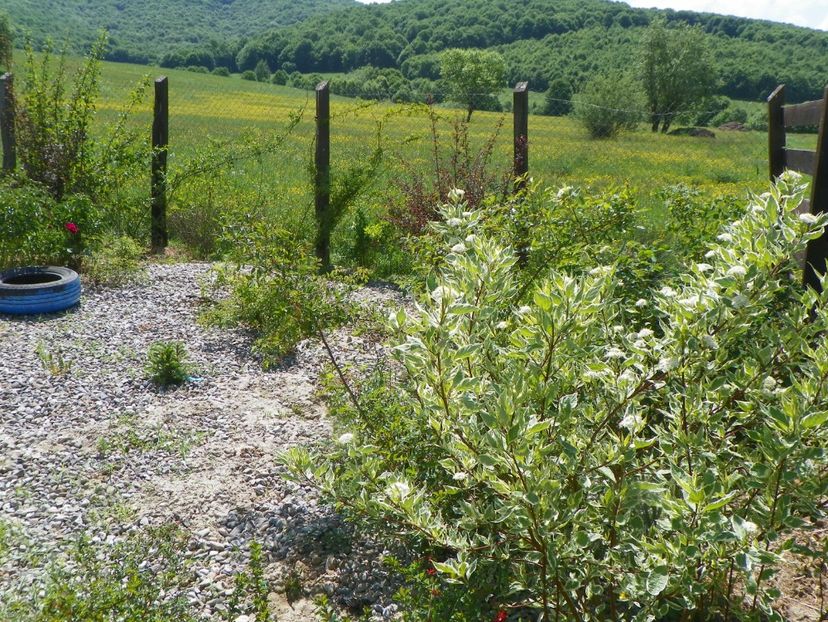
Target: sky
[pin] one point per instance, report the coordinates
(810, 13)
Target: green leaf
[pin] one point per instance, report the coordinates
(543, 301)
(720, 503)
(657, 580)
(446, 569)
(814, 419)
(537, 427)
(487, 460)
(607, 472)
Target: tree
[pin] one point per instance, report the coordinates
(557, 99)
(262, 71)
(608, 104)
(472, 77)
(677, 70)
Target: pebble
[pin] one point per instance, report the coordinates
(100, 451)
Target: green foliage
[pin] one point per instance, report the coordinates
(262, 71)
(112, 583)
(6, 44)
(173, 33)
(677, 70)
(53, 361)
(249, 74)
(540, 40)
(693, 221)
(609, 104)
(472, 77)
(53, 128)
(33, 225)
(557, 101)
(608, 473)
(250, 591)
(224, 72)
(275, 288)
(90, 175)
(167, 363)
(115, 261)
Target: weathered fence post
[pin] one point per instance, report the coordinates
(520, 111)
(7, 123)
(776, 132)
(817, 251)
(322, 176)
(160, 141)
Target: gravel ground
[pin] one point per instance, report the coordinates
(98, 450)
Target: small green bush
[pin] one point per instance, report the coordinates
(167, 363)
(735, 114)
(115, 261)
(758, 121)
(224, 72)
(275, 288)
(262, 71)
(609, 104)
(249, 75)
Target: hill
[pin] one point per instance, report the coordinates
(143, 31)
(542, 40)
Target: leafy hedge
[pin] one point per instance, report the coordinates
(552, 458)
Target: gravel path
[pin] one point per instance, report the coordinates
(98, 450)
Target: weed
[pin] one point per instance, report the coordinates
(251, 590)
(53, 362)
(127, 436)
(293, 586)
(111, 583)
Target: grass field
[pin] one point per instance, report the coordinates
(205, 106)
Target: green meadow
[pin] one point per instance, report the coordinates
(205, 107)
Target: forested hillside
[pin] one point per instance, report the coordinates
(542, 40)
(144, 31)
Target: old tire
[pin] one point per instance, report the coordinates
(38, 289)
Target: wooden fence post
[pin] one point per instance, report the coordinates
(520, 112)
(776, 132)
(160, 141)
(7, 123)
(322, 176)
(817, 251)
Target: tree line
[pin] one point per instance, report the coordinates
(561, 43)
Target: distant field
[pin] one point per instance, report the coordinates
(204, 107)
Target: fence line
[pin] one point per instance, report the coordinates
(780, 157)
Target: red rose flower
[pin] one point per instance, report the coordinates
(71, 227)
(501, 616)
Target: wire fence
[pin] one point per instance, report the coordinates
(263, 136)
(561, 150)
